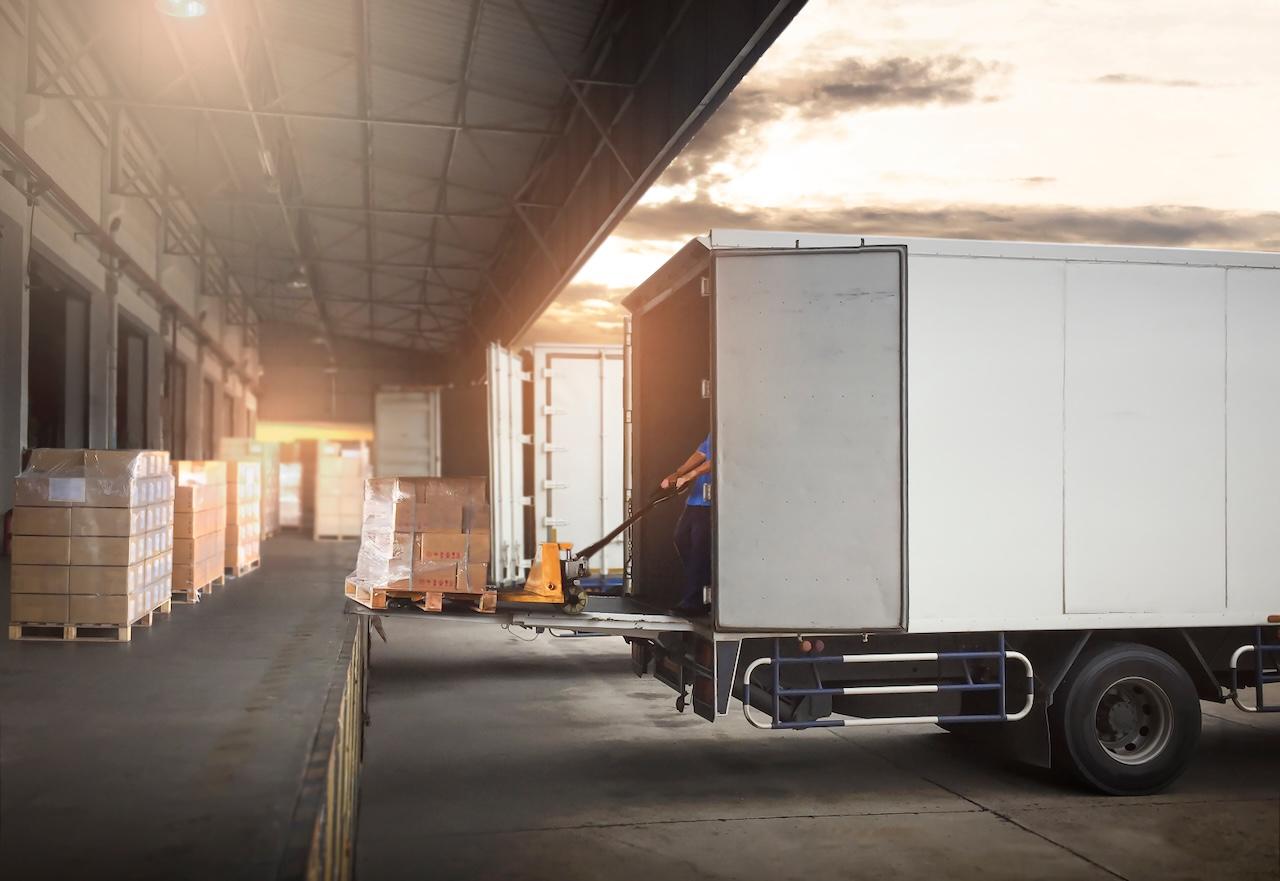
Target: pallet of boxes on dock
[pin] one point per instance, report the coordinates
(92, 552)
(290, 495)
(340, 473)
(425, 542)
(245, 449)
(199, 528)
(244, 511)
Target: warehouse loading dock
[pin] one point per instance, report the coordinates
(280, 209)
(272, 211)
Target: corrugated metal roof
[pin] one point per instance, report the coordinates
(305, 63)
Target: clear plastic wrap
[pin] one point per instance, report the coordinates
(421, 535)
(94, 478)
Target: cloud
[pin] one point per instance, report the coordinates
(846, 86)
(1161, 225)
(1132, 79)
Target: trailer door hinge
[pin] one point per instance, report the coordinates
(548, 410)
(554, 448)
(626, 417)
(526, 500)
(704, 286)
(526, 376)
(706, 388)
(706, 492)
(547, 372)
(526, 439)
(554, 521)
(554, 484)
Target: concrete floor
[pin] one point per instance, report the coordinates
(491, 758)
(179, 754)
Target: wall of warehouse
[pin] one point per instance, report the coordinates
(296, 387)
(70, 145)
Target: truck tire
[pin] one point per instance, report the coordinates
(1125, 720)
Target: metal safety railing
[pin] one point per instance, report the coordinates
(780, 692)
(1261, 650)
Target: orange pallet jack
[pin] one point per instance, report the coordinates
(557, 572)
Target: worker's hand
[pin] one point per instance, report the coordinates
(668, 480)
(683, 479)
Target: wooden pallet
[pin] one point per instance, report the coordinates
(38, 632)
(338, 537)
(242, 570)
(427, 601)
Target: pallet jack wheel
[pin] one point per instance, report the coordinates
(575, 604)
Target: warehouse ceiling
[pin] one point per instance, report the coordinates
(423, 174)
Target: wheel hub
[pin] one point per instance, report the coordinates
(1134, 720)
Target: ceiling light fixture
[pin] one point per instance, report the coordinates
(298, 281)
(183, 8)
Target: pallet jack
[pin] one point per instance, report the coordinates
(556, 572)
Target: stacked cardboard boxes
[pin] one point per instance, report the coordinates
(244, 516)
(290, 495)
(199, 527)
(93, 539)
(424, 538)
(341, 470)
(244, 449)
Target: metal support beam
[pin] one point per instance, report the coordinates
(258, 114)
(572, 85)
(297, 236)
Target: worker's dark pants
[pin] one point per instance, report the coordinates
(693, 541)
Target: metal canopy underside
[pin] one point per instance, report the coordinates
(435, 170)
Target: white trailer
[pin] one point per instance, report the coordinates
(406, 431)
(958, 482)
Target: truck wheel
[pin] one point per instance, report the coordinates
(1125, 720)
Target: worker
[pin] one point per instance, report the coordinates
(693, 531)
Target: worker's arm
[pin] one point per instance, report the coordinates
(697, 460)
(704, 468)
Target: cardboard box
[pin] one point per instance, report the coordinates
(39, 579)
(108, 521)
(43, 491)
(110, 550)
(441, 547)
(116, 610)
(208, 472)
(200, 523)
(439, 578)
(199, 498)
(193, 550)
(478, 547)
(108, 580)
(38, 608)
(41, 521)
(41, 550)
(477, 577)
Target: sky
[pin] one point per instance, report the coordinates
(1150, 122)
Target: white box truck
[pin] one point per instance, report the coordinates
(960, 482)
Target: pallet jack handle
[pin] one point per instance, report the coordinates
(658, 496)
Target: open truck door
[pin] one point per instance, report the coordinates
(508, 563)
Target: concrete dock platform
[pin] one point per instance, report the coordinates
(491, 758)
(178, 754)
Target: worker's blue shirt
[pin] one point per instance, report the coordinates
(697, 495)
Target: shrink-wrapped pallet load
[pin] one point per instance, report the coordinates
(244, 518)
(423, 540)
(245, 449)
(92, 550)
(199, 524)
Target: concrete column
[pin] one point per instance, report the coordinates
(195, 406)
(14, 320)
(103, 325)
(156, 348)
